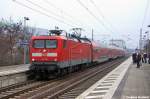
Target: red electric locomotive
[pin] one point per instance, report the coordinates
(56, 54)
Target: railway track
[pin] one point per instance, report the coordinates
(59, 88)
(3, 89)
(74, 92)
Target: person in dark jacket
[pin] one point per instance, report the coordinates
(134, 57)
(149, 58)
(145, 57)
(138, 60)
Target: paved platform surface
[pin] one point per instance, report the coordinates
(136, 83)
(106, 87)
(7, 70)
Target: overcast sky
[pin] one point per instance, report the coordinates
(117, 19)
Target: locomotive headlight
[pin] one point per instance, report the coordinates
(33, 59)
(44, 50)
(55, 59)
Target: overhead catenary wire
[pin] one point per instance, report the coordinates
(92, 14)
(51, 4)
(43, 13)
(102, 15)
(46, 10)
(65, 13)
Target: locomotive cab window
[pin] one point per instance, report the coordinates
(51, 43)
(45, 44)
(38, 44)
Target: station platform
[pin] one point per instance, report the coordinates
(135, 84)
(8, 70)
(124, 82)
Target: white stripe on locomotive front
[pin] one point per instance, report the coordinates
(52, 54)
(48, 54)
(36, 54)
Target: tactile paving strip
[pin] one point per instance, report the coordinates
(105, 88)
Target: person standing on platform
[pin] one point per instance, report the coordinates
(138, 60)
(134, 57)
(149, 58)
(142, 57)
(145, 57)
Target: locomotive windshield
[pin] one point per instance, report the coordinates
(51, 44)
(45, 44)
(38, 43)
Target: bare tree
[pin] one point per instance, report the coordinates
(11, 34)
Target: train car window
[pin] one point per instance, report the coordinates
(38, 44)
(64, 44)
(51, 43)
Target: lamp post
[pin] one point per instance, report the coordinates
(148, 41)
(140, 41)
(145, 40)
(25, 50)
